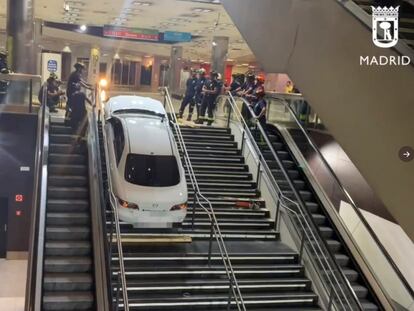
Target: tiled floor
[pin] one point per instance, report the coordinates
(12, 284)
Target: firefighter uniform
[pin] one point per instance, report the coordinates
(189, 98)
(215, 86)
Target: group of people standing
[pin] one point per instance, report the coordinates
(202, 92)
(76, 99)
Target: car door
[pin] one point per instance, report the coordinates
(116, 146)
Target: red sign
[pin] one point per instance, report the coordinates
(18, 213)
(131, 33)
(19, 198)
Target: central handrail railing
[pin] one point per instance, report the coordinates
(115, 228)
(234, 289)
(345, 193)
(339, 288)
(103, 289)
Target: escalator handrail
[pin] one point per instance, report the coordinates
(348, 197)
(103, 289)
(238, 298)
(34, 282)
(307, 220)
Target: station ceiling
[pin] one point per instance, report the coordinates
(203, 18)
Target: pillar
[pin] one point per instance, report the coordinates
(93, 70)
(20, 36)
(219, 54)
(175, 68)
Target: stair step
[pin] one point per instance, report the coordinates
(61, 129)
(68, 181)
(67, 233)
(65, 148)
(53, 301)
(66, 169)
(54, 205)
(68, 248)
(68, 192)
(67, 282)
(55, 158)
(63, 138)
(68, 264)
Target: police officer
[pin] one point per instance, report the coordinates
(198, 97)
(189, 95)
(211, 91)
(4, 69)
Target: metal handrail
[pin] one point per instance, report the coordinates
(215, 228)
(112, 202)
(326, 266)
(37, 232)
(103, 288)
(348, 197)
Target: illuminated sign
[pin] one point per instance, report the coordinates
(176, 36)
(131, 33)
(19, 198)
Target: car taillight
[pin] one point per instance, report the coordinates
(126, 204)
(179, 207)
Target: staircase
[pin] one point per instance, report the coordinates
(319, 215)
(68, 279)
(178, 276)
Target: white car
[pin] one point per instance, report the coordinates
(147, 175)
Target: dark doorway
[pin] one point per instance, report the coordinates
(146, 74)
(3, 227)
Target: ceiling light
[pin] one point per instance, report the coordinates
(116, 56)
(140, 3)
(67, 49)
(202, 10)
(83, 28)
(214, 43)
(66, 6)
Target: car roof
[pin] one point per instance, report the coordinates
(132, 102)
(148, 135)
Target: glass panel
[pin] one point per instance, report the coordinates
(152, 170)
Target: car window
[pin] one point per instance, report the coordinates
(152, 170)
(119, 138)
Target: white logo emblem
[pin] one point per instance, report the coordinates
(385, 26)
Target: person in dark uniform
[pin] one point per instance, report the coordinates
(4, 69)
(247, 89)
(236, 84)
(198, 97)
(211, 91)
(189, 96)
(78, 118)
(53, 93)
(260, 106)
(75, 78)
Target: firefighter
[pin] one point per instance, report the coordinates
(189, 96)
(4, 69)
(211, 91)
(198, 97)
(260, 106)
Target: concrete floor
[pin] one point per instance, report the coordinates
(12, 284)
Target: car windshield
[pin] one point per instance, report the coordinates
(152, 170)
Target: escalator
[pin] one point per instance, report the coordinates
(68, 262)
(294, 184)
(315, 208)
